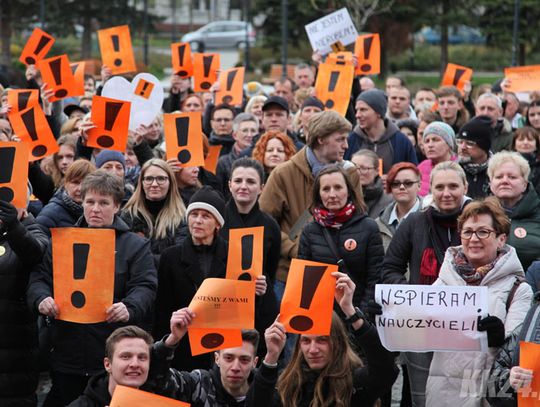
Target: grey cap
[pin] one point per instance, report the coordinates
(376, 99)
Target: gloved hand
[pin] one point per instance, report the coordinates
(372, 309)
(494, 328)
(8, 215)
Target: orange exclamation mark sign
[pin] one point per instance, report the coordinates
(368, 51)
(37, 46)
(43, 41)
(144, 88)
(334, 76)
(182, 135)
(366, 67)
(112, 109)
(457, 76)
(80, 262)
(56, 69)
(7, 158)
(230, 80)
(29, 121)
(207, 64)
(311, 279)
(116, 48)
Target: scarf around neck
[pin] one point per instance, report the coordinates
(329, 219)
(472, 275)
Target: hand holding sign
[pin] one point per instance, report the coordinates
(180, 321)
(275, 338)
(529, 363)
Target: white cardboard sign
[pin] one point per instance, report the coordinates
(329, 29)
(424, 318)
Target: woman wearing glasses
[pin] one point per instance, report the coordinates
(367, 164)
(156, 210)
(403, 184)
(342, 234)
(508, 174)
(483, 259)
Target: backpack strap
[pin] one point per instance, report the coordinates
(512, 292)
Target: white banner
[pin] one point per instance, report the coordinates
(423, 318)
(330, 29)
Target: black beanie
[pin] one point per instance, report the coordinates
(313, 101)
(478, 130)
(209, 199)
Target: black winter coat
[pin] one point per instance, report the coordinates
(180, 275)
(21, 248)
(96, 393)
(60, 212)
(266, 307)
(363, 262)
(79, 348)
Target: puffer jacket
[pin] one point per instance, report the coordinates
(79, 348)
(460, 378)
(22, 247)
(60, 212)
(363, 260)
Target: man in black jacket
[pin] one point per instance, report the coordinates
(78, 348)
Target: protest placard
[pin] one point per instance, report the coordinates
(328, 30)
(523, 78)
(529, 358)
(124, 396)
(420, 318)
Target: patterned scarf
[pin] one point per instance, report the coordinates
(471, 275)
(329, 219)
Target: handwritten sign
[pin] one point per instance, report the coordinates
(420, 318)
(328, 30)
(523, 78)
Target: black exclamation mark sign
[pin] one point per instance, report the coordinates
(207, 64)
(182, 132)
(80, 260)
(311, 279)
(116, 47)
(366, 67)
(7, 157)
(247, 256)
(181, 52)
(457, 76)
(29, 120)
(111, 113)
(42, 42)
(22, 101)
(230, 80)
(334, 76)
(56, 69)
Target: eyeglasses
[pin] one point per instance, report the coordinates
(480, 234)
(159, 179)
(364, 170)
(407, 184)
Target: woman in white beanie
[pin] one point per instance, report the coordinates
(439, 143)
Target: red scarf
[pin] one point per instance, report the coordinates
(329, 219)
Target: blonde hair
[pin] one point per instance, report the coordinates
(172, 213)
(508, 157)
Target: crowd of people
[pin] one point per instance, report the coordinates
(439, 188)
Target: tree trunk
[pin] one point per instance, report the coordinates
(6, 31)
(522, 55)
(86, 45)
(444, 35)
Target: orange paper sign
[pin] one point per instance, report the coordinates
(78, 69)
(367, 49)
(129, 397)
(223, 303)
(245, 258)
(56, 73)
(333, 86)
(116, 49)
(205, 71)
(202, 340)
(456, 75)
(340, 58)
(21, 99)
(36, 47)
(14, 173)
(183, 138)
(83, 273)
(231, 84)
(308, 300)
(111, 116)
(211, 160)
(32, 127)
(144, 88)
(182, 62)
(529, 358)
(523, 78)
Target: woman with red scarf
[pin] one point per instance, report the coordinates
(342, 233)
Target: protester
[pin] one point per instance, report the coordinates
(192, 103)
(508, 174)
(310, 106)
(439, 143)
(403, 183)
(22, 244)
(325, 370)
(65, 207)
(126, 363)
(490, 105)
(221, 119)
(156, 210)
(399, 104)
(368, 165)
(342, 234)
(275, 116)
(424, 99)
(180, 89)
(533, 115)
(474, 143)
(242, 211)
(287, 193)
(272, 149)
(303, 76)
(77, 348)
(451, 107)
(526, 141)
(285, 88)
(187, 179)
(254, 106)
(484, 259)
(376, 133)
